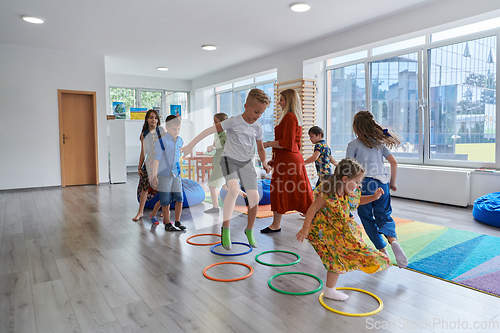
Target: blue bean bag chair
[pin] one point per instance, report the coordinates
(487, 209)
(192, 191)
(264, 187)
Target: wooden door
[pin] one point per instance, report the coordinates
(78, 137)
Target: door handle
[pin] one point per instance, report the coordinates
(64, 139)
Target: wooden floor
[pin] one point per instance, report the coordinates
(72, 260)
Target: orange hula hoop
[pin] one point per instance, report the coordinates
(202, 244)
(228, 263)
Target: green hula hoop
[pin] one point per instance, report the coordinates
(269, 282)
(277, 265)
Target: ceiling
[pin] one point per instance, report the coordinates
(137, 36)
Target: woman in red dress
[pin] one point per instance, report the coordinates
(290, 186)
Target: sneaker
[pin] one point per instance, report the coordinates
(213, 210)
(171, 227)
(179, 225)
(154, 220)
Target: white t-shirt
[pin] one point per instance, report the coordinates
(240, 138)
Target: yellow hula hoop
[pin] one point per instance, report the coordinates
(380, 307)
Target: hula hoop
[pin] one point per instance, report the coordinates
(269, 282)
(231, 254)
(228, 263)
(377, 310)
(277, 265)
(202, 244)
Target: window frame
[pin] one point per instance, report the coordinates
(138, 99)
(457, 163)
(234, 90)
(423, 96)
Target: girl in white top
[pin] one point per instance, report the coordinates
(370, 149)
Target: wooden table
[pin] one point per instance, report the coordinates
(205, 162)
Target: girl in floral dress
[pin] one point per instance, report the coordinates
(335, 237)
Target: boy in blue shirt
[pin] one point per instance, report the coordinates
(166, 176)
(322, 155)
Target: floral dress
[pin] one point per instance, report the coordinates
(337, 238)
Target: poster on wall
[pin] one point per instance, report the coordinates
(119, 110)
(175, 110)
(138, 113)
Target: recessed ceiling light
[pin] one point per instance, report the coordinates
(163, 69)
(209, 47)
(31, 19)
(300, 7)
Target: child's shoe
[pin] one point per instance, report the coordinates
(213, 210)
(154, 220)
(225, 238)
(170, 227)
(179, 225)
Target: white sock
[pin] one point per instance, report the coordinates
(331, 293)
(400, 255)
(384, 251)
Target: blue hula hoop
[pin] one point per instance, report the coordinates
(231, 254)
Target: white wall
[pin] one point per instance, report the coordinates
(29, 127)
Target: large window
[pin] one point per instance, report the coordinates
(175, 99)
(346, 97)
(240, 97)
(160, 100)
(394, 99)
(230, 99)
(224, 102)
(267, 119)
(462, 96)
(151, 100)
(445, 117)
(122, 99)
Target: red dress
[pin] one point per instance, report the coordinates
(290, 186)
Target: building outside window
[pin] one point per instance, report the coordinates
(455, 117)
(462, 100)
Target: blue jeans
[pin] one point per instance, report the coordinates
(376, 215)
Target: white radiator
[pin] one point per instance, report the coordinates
(434, 184)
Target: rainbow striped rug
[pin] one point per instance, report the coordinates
(462, 257)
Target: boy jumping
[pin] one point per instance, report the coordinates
(236, 161)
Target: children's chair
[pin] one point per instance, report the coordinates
(185, 169)
(203, 168)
